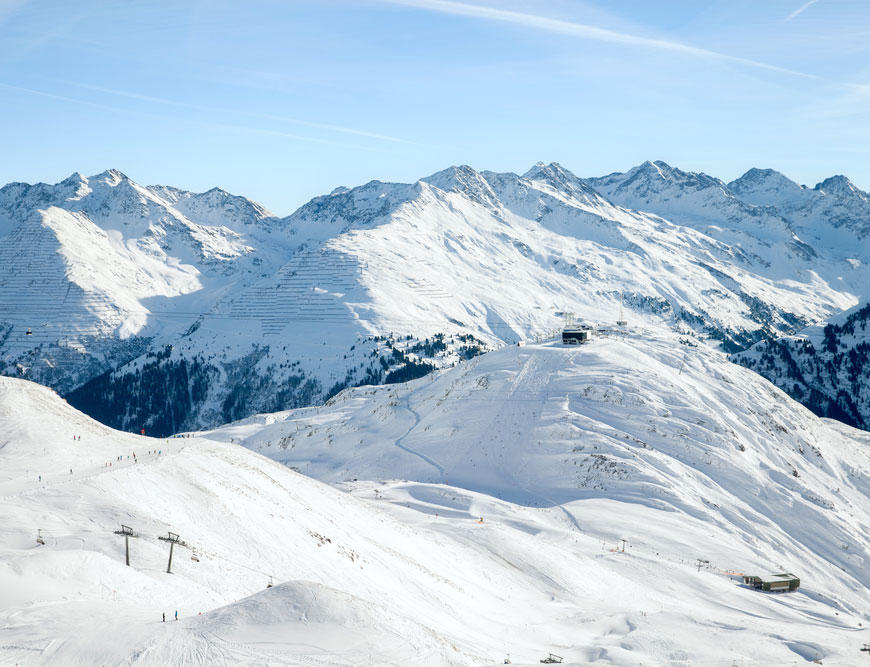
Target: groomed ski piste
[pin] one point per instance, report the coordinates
(596, 502)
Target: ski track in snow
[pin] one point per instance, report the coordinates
(405, 448)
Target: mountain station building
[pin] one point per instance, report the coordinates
(783, 581)
(576, 335)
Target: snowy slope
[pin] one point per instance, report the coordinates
(99, 268)
(642, 418)
(132, 294)
(404, 573)
(628, 436)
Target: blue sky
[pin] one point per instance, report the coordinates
(284, 100)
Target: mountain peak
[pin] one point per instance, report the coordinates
(110, 177)
(755, 177)
(757, 174)
(554, 169)
(658, 169)
(461, 171)
(766, 187)
(466, 180)
(74, 177)
(561, 179)
(659, 174)
(837, 185)
(74, 186)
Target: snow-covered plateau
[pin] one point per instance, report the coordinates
(596, 502)
(157, 308)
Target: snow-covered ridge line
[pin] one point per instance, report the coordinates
(121, 285)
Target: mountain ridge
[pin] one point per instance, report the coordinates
(346, 288)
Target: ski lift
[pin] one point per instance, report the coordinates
(194, 556)
(39, 538)
(270, 584)
(28, 332)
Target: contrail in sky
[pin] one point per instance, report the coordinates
(251, 114)
(585, 31)
(225, 126)
(801, 9)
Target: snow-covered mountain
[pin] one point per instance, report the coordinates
(95, 269)
(762, 203)
(646, 472)
(825, 368)
(620, 418)
(151, 307)
(630, 436)
(688, 198)
(834, 210)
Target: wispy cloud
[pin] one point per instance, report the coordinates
(250, 114)
(208, 125)
(62, 98)
(800, 10)
(585, 31)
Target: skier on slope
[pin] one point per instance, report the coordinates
(176, 614)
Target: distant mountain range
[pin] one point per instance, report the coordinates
(157, 308)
